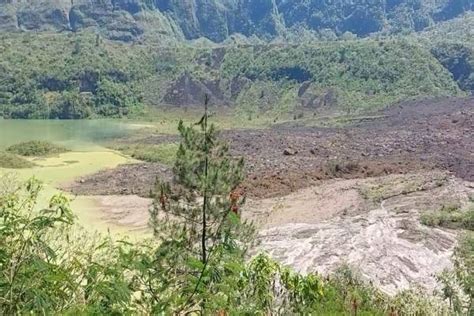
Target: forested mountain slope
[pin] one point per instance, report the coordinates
(452, 43)
(79, 75)
(129, 20)
(78, 58)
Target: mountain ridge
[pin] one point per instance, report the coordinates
(217, 20)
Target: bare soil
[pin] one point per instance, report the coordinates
(128, 179)
(129, 211)
(407, 137)
(420, 135)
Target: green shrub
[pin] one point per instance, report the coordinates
(48, 268)
(117, 80)
(36, 148)
(450, 216)
(11, 161)
(458, 283)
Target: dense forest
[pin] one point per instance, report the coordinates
(82, 75)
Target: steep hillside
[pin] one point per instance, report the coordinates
(161, 20)
(452, 43)
(80, 75)
(457, 30)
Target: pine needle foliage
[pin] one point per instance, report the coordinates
(199, 211)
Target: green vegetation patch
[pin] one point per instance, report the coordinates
(36, 148)
(91, 78)
(12, 161)
(351, 75)
(450, 216)
(452, 45)
(402, 185)
(464, 262)
(164, 153)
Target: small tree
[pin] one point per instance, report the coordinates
(196, 217)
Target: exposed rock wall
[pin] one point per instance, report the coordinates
(219, 19)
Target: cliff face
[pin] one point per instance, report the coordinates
(128, 20)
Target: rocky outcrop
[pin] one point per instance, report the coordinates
(43, 17)
(316, 99)
(113, 18)
(219, 19)
(187, 90)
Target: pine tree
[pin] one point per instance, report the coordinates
(196, 217)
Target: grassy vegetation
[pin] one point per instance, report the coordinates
(457, 284)
(12, 161)
(450, 216)
(164, 153)
(400, 185)
(464, 267)
(36, 148)
(164, 120)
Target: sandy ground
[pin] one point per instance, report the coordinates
(126, 214)
(309, 205)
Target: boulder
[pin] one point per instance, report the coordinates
(290, 152)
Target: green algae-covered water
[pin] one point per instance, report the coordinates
(85, 139)
(74, 134)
